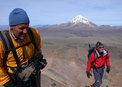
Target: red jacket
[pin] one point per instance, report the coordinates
(99, 61)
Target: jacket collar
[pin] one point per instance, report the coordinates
(14, 36)
(104, 52)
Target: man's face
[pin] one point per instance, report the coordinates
(101, 48)
(20, 30)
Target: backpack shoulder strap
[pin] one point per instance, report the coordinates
(32, 38)
(95, 55)
(6, 46)
(106, 55)
(13, 49)
(4, 40)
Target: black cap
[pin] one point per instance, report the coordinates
(98, 44)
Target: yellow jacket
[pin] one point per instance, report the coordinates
(29, 52)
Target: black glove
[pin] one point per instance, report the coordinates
(39, 61)
(108, 69)
(43, 63)
(88, 74)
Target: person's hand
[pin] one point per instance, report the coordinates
(43, 63)
(88, 74)
(108, 69)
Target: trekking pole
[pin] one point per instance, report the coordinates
(89, 44)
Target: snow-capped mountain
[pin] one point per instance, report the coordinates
(77, 23)
(80, 19)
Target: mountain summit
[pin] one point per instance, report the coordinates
(80, 19)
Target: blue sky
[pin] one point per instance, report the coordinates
(100, 12)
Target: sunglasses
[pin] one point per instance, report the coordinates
(101, 47)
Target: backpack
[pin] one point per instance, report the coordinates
(90, 51)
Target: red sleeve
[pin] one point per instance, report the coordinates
(90, 61)
(107, 60)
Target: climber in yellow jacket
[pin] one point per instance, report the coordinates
(25, 50)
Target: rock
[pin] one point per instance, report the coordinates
(105, 83)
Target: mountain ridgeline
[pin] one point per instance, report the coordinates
(79, 26)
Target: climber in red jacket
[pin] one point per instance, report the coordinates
(98, 59)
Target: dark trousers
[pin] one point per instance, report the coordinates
(16, 82)
(98, 75)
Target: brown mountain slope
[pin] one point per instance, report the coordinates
(67, 59)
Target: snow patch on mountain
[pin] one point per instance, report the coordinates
(80, 19)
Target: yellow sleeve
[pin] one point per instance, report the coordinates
(1, 54)
(37, 40)
(3, 75)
